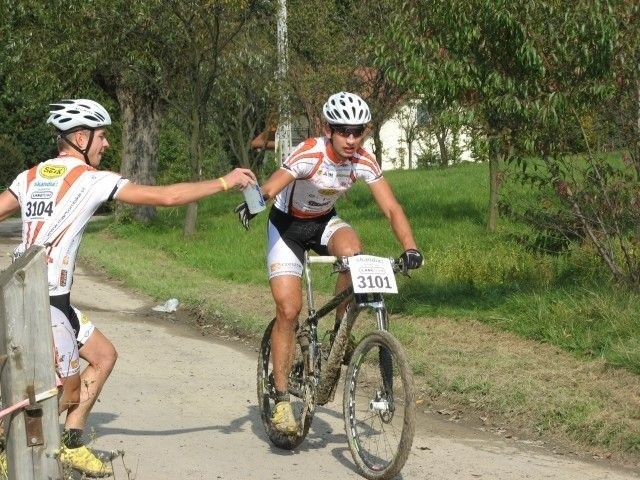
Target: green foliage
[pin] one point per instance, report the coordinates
(270, 165)
(428, 158)
(516, 61)
(591, 201)
(23, 126)
(542, 76)
(173, 155)
(537, 74)
(12, 161)
(315, 60)
(37, 68)
(245, 109)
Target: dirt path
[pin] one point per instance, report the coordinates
(180, 405)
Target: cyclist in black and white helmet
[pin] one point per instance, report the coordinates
(69, 116)
(56, 199)
(346, 108)
(303, 217)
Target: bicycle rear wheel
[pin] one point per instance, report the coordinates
(379, 406)
(298, 389)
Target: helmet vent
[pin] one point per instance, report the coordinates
(346, 108)
(82, 113)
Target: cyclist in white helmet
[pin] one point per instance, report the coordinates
(305, 190)
(56, 199)
(69, 116)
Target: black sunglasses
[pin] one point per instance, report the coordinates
(346, 130)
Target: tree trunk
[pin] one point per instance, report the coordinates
(195, 151)
(141, 117)
(637, 129)
(377, 145)
(494, 162)
(441, 137)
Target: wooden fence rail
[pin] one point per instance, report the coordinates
(32, 433)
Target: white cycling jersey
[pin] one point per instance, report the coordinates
(57, 198)
(322, 177)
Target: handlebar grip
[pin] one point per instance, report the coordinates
(322, 259)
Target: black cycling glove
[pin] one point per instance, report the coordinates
(412, 259)
(244, 215)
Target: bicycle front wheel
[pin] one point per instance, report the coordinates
(301, 397)
(379, 406)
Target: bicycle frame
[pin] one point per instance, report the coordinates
(378, 398)
(326, 382)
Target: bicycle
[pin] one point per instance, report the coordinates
(378, 398)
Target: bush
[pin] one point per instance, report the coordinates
(12, 161)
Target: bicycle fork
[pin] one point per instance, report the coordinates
(383, 403)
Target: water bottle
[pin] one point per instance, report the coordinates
(253, 197)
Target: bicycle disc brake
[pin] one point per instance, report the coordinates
(382, 403)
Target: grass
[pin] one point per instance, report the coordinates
(545, 343)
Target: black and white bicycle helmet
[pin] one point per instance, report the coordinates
(67, 115)
(344, 108)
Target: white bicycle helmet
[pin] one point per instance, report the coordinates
(69, 114)
(344, 108)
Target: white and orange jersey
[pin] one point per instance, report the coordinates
(322, 177)
(57, 198)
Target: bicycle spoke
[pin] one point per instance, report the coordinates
(297, 390)
(379, 408)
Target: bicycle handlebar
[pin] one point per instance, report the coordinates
(396, 263)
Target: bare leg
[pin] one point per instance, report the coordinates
(343, 243)
(101, 355)
(287, 293)
(70, 395)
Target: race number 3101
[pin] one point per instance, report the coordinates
(370, 274)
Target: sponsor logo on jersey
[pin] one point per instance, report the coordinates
(318, 204)
(63, 278)
(327, 173)
(42, 194)
(40, 183)
(84, 319)
(53, 171)
(328, 191)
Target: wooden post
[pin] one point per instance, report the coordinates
(33, 433)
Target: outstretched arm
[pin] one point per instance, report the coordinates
(183, 193)
(8, 205)
(389, 205)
